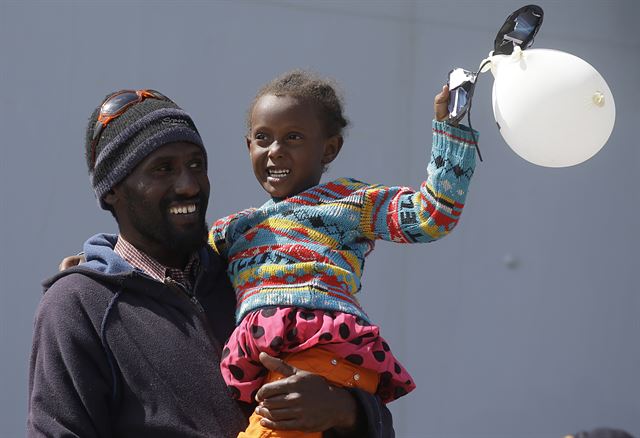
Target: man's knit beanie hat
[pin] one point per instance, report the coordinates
(131, 137)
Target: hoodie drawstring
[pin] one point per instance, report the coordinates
(103, 336)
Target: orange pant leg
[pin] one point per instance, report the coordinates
(336, 370)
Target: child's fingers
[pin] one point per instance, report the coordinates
(440, 103)
(443, 96)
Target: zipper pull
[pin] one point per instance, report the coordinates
(195, 301)
(172, 283)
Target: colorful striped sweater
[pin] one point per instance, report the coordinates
(309, 250)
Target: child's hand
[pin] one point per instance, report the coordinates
(440, 104)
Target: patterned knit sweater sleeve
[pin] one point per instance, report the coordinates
(400, 214)
(219, 233)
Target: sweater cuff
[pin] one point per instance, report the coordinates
(459, 140)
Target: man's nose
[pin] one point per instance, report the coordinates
(187, 183)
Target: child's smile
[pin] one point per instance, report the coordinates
(288, 145)
(275, 174)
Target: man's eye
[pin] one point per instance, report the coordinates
(163, 168)
(196, 164)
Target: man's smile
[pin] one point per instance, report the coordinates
(183, 209)
(185, 213)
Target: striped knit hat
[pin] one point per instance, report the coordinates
(131, 137)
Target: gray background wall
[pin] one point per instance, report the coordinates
(540, 349)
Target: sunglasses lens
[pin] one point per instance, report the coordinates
(157, 95)
(97, 129)
(458, 101)
(523, 30)
(518, 30)
(116, 103)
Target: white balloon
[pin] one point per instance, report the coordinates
(553, 108)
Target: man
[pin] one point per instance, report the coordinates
(128, 344)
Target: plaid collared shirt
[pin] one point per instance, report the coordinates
(155, 269)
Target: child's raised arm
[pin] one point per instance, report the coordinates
(400, 214)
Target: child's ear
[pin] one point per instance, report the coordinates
(332, 148)
(248, 140)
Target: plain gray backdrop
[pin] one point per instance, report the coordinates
(523, 323)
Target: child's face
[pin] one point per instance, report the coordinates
(288, 145)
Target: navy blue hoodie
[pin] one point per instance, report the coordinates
(117, 353)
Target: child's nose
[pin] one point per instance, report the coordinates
(275, 149)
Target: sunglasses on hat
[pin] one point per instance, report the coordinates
(116, 105)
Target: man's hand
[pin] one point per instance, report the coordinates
(303, 401)
(440, 104)
(70, 262)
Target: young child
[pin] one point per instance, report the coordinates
(296, 261)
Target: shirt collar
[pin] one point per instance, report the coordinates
(154, 268)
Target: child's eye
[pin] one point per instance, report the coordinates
(294, 136)
(260, 136)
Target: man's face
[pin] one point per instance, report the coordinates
(161, 205)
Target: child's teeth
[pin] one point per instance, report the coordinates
(279, 173)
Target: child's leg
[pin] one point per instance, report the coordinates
(336, 370)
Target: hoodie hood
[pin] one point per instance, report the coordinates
(102, 263)
(98, 251)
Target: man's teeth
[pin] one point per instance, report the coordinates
(183, 209)
(278, 173)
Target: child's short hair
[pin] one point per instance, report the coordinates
(308, 86)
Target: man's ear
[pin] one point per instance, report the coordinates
(111, 197)
(332, 148)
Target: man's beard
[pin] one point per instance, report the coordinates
(155, 226)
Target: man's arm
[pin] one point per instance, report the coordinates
(307, 402)
(69, 380)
